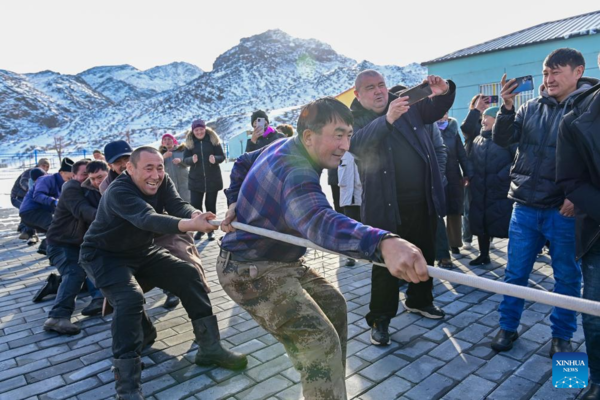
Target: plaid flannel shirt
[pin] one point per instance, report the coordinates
(278, 188)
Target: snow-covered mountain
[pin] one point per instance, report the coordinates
(271, 71)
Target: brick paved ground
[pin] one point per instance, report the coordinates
(427, 359)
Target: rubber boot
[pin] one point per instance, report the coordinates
(210, 350)
(128, 378)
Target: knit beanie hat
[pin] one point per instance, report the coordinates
(170, 136)
(199, 123)
(258, 114)
(492, 111)
(66, 165)
(36, 173)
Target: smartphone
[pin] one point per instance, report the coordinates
(260, 122)
(524, 84)
(492, 99)
(416, 93)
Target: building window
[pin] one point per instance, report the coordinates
(494, 89)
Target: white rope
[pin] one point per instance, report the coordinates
(522, 292)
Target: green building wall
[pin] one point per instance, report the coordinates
(470, 72)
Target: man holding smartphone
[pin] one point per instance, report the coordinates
(541, 211)
(403, 191)
(263, 135)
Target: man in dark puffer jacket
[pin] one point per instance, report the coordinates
(541, 211)
(578, 173)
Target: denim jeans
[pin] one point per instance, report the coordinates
(590, 266)
(529, 229)
(65, 259)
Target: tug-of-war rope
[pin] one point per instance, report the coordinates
(522, 292)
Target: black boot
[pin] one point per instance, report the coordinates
(198, 235)
(560, 346)
(481, 260)
(94, 308)
(210, 350)
(172, 301)
(42, 248)
(128, 378)
(49, 287)
(504, 340)
(211, 236)
(593, 393)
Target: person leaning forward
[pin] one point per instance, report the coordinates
(278, 188)
(402, 184)
(119, 248)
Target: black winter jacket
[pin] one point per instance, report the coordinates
(470, 128)
(263, 141)
(457, 166)
(535, 128)
(490, 208)
(21, 185)
(204, 176)
(72, 217)
(372, 147)
(578, 166)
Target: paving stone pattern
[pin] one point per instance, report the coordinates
(428, 359)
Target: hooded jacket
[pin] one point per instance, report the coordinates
(535, 128)
(372, 144)
(178, 172)
(578, 166)
(204, 176)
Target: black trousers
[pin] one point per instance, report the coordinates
(210, 202)
(156, 267)
(335, 193)
(419, 228)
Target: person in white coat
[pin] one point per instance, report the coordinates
(350, 191)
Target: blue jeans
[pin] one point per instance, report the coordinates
(590, 266)
(66, 260)
(529, 229)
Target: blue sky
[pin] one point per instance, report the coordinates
(69, 36)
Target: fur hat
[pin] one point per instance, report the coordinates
(66, 165)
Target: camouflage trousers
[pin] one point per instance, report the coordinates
(302, 311)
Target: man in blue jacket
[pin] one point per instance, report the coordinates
(541, 211)
(403, 191)
(40, 202)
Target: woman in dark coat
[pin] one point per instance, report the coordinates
(490, 206)
(471, 127)
(458, 171)
(203, 154)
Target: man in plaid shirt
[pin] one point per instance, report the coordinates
(277, 188)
